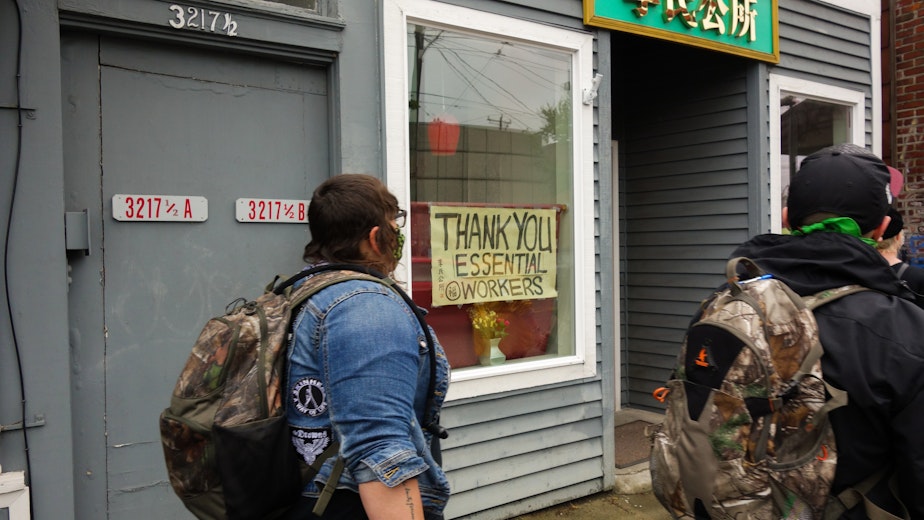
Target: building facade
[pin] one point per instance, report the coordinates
(580, 178)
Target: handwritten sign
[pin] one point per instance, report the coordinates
(492, 254)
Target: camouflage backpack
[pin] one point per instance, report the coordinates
(225, 435)
(745, 434)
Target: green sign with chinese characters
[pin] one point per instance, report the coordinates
(747, 28)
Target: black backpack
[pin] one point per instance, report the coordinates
(225, 435)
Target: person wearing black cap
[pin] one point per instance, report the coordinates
(873, 340)
(892, 241)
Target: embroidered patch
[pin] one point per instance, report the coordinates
(310, 442)
(308, 397)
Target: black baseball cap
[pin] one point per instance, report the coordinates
(845, 180)
(895, 225)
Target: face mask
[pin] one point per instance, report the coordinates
(399, 251)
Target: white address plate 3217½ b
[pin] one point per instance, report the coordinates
(287, 211)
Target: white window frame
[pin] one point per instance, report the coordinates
(781, 86)
(396, 15)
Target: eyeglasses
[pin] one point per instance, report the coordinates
(400, 218)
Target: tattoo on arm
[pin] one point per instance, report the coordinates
(409, 500)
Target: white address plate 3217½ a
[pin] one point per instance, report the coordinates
(159, 208)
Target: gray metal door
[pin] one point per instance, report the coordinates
(152, 119)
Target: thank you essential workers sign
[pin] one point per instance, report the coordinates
(492, 254)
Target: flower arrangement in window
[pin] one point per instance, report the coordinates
(489, 328)
(486, 322)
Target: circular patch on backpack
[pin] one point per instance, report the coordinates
(308, 397)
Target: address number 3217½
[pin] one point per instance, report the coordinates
(159, 208)
(288, 211)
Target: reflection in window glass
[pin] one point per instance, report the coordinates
(490, 129)
(807, 125)
(310, 5)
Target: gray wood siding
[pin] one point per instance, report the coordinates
(512, 453)
(823, 43)
(689, 192)
(563, 13)
(513, 449)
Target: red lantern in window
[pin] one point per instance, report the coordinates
(443, 133)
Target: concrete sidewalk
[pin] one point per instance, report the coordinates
(604, 506)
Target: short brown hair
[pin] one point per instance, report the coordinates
(342, 211)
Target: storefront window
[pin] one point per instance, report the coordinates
(490, 145)
(805, 117)
(491, 174)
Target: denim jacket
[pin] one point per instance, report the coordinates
(358, 373)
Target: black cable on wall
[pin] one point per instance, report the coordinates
(6, 249)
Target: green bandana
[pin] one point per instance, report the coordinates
(843, 225)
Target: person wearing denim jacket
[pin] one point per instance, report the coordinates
(359, 368)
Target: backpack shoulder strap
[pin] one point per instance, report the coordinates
(857, 494)
(812, 302)
(820, 298)
(299, 295)
(323, 276)
(901, 270)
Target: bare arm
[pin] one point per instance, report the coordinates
(401, 502)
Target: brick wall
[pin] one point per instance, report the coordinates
(903, 130)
